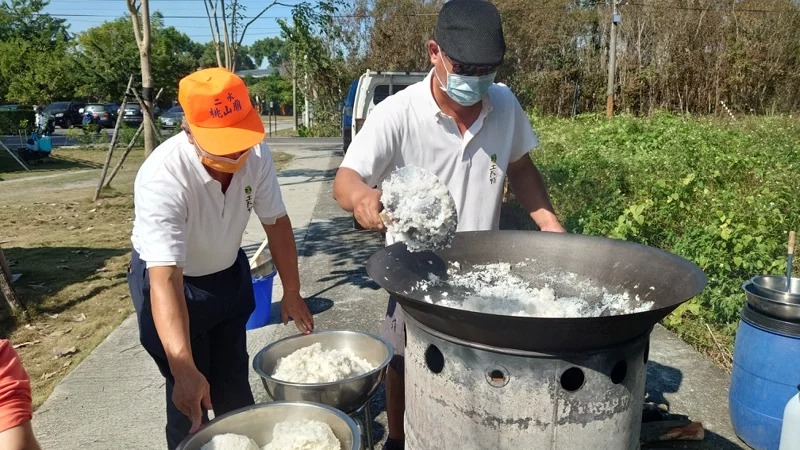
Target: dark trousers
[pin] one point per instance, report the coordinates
(219, 306)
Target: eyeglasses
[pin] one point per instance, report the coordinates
(470, 70)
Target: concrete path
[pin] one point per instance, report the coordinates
(115, 397)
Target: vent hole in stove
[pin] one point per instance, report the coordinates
(646, 353)
(618, 372)
(497, 377)
(572, 379)
(434, 359)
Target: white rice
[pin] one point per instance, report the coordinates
(493, 289)
(230, 441)
(312, 364)
(419, 209)
(303, 435)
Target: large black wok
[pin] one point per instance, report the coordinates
(618, 266)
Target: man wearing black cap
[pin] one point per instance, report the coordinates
(463, 127)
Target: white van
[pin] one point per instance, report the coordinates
(374, 87)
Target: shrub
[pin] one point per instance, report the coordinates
(13, 121)
(721, 195)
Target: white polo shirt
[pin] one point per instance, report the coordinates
(408, 128)
(182, 216)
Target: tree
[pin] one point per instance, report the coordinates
(24, 19)
(275, 50)
(273, 88)
(108, 54)
(34, 54)
(229, 25)
(141, 30)
(34, 77)
(321, 69)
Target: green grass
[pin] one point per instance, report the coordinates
(723, 195)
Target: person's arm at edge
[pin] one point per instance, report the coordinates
(19, 437)
(171, 318)
(528, 186)
(284, 254)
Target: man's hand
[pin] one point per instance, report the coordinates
(367, 208)
(192, 391)
(553, 226)
(293, 307)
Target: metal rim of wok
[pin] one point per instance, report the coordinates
(616, 264)
(265, 350)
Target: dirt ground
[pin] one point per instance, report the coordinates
(71, 253)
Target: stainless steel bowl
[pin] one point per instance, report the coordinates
(775, 308)
(774, 287)
(347, 395)
(258, 421)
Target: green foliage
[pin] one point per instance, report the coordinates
(721, 195)
(274, 50)
(273, 88)
(23, 19)
(107, 55)
(311, 33)
(13, 121)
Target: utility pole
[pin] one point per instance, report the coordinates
(306, 121)
(294, 89)
(612, 56)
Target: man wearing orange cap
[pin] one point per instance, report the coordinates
(189, 279)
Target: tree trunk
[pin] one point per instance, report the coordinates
(141, 29)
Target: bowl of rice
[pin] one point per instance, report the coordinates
(278, 426)
(339, 368)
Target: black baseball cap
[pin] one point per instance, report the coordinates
(471, 32)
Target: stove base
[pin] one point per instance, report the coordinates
(461, 395)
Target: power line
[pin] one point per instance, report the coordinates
(694, 8)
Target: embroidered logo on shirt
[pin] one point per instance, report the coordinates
(493, 169)
(249, 199)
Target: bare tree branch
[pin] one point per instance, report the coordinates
(227, 38)
(214, 25)
(244, 29)
(137, 28)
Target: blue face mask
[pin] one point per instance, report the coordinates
(466, 90)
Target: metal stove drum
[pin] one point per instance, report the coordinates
(478, 381)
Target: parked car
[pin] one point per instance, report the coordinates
(172, 118)
(374, 87)
(66, 114)
(103, 114)
(132, 116)
(10, 107)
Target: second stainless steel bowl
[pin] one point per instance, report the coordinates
(346, 395)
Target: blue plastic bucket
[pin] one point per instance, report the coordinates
(764, 377)
(262, 291)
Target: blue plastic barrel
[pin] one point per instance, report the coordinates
(262, 290)
(766, 372)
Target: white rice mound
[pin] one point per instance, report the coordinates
(302, 435)
(312, 364)
(230, 441)
(418, 209)
(493, 289)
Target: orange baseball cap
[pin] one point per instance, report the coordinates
(217, 107)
